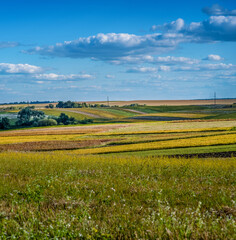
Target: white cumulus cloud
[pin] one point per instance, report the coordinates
(10, 68)
(213, 57)
(142, 70)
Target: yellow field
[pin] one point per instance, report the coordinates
(61, 196)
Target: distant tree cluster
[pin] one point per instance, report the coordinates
(70, 104)
(31, 102)
(135, 105)
(50, 106)
(29, 117)
(97, 105)
(8, 108)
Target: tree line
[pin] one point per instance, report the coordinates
(70, 104)
(28, 116)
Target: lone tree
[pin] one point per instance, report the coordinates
(4, 123)
(27, 116)
(65, 119)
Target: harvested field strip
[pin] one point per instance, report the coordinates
(62, 130)
(183, 115)
(51, 145)
(184, 125)
(49, 132)
(143, 137)
(180, 143)
(162, 132)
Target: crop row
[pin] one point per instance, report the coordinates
(197, 141)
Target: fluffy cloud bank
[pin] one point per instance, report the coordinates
(217, 10)
(112, 46)
(216, 28)
(10, 68)
(115, 47)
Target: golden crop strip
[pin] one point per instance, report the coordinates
(193, 142)
(21, 139)
(58, 157)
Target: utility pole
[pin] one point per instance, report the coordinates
(214, 98)
(108, 101)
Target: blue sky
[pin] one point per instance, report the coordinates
(88, 50)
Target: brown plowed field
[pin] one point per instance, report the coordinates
(51, 145)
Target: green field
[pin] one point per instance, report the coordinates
(136, 179)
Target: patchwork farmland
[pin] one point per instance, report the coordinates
(133, 172)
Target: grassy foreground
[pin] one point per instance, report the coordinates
(45, 195)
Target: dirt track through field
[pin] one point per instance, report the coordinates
(135, 111)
